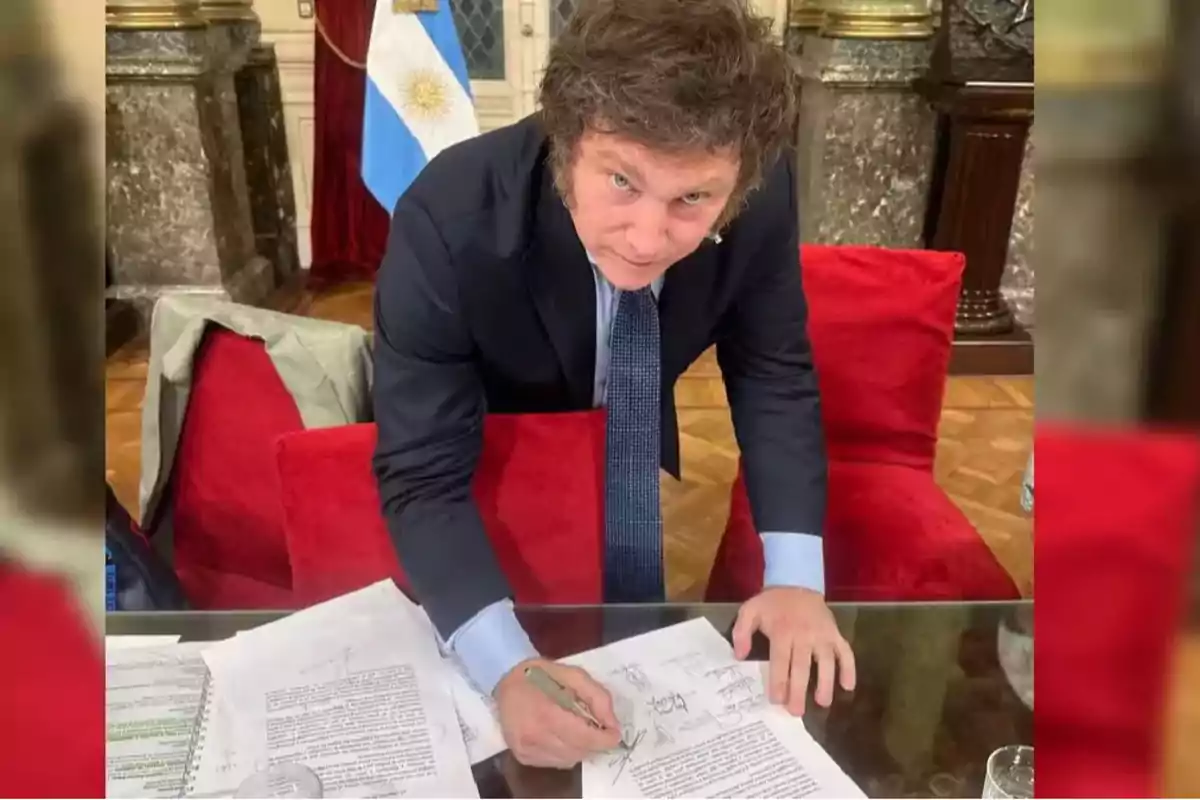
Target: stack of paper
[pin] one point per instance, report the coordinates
(355, 690)
(696, 723)
(357, 693)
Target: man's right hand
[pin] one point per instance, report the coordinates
(538, 732)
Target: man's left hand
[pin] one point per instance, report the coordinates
(801, 630)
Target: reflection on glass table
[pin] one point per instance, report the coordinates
(933, 700)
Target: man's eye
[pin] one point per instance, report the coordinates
(692, 198)
(620, 181)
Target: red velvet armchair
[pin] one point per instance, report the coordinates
(881, 324)
(266, 514)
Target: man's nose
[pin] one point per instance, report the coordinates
(647, 234)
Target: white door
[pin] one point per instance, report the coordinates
(546, 19)
(490, 33)
(506, 42)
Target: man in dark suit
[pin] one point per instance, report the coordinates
(585, 257)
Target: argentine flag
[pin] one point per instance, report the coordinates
(418, 98)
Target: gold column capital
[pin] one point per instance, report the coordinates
(806, 15)
(877, 19)
(413, 6)
(228, 10)
(152, 14)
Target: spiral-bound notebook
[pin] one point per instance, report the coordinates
(157, 701)
(201, 739)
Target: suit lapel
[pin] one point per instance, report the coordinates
(564, 291)
(686, 294)
(682, 306)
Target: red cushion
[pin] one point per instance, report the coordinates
(539, 487)
(1117, 516)
(891, 535)
(225, 488)
(51, 691)
(881, 324)
(227, 589)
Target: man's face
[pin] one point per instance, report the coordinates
(639, 211)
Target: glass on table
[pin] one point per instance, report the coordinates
(1009, 773)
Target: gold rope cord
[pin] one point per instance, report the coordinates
(337, 51)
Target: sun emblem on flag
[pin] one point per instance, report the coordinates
(426, 94)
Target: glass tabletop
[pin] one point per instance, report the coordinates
(940, 685)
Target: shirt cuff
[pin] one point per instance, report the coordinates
(490, 644)
(794, 559)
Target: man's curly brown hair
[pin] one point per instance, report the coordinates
(673, 75)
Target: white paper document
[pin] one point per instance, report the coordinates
(696, 723)
(153, 700)
(353, 689)
(476, 711)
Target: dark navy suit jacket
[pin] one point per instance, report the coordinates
(485, 301)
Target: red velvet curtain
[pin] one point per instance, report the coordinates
(349, 228)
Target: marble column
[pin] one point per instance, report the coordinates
(258, 119)
(268, 167)
(178, 205)
(865, 144)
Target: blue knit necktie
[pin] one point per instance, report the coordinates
(633, 561)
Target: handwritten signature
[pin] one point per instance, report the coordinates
(635, 676)
(622, 756)
(743, 684)
(665, 704)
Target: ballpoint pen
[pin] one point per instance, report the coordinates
(563, 697)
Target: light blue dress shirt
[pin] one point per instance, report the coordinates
(493, 641)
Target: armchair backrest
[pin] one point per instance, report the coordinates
(539, 487)
(881, 322)
(229, 549)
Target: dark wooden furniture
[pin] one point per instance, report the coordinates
(981, 84)
(1173, 391)
(932, 700)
